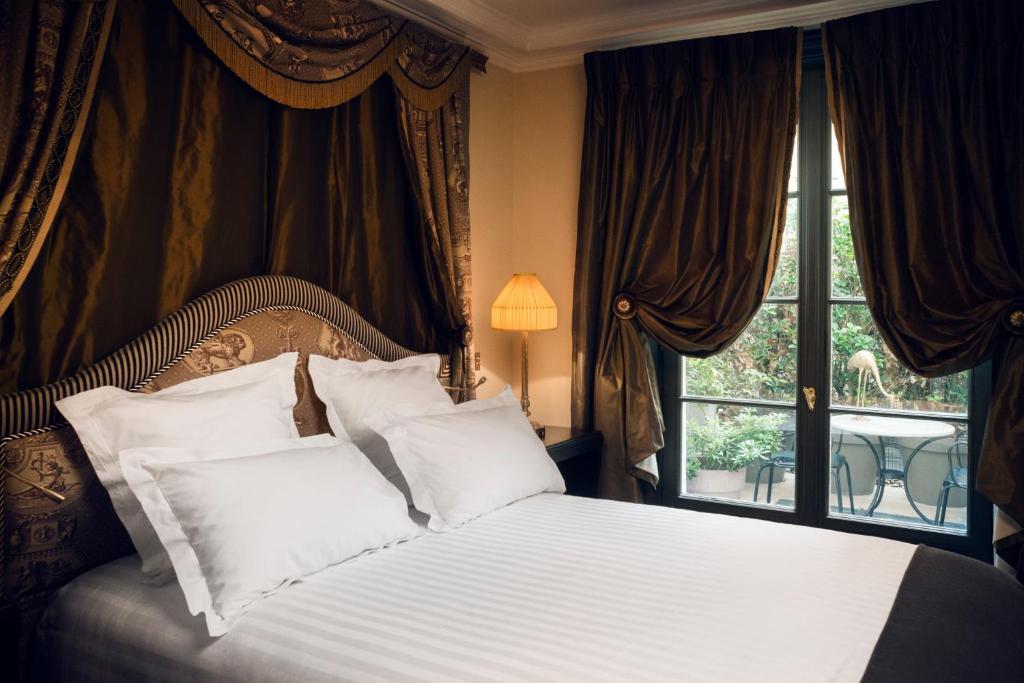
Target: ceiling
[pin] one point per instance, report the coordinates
(528, 35)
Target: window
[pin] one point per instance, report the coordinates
(880, 450)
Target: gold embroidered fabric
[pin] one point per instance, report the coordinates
(435, 144)
(313, 54)
(60, 45)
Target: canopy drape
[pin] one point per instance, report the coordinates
(682, 207)
(189, 179)
(318, 53)
(51, 51)
(436, 154)
(928, 106)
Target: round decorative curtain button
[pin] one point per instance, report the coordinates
(467, 335)
(624, 305)
(1014, 319)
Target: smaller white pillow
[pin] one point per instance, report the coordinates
(246, 404)
(354, 390)
(466, 463)
(239, 529)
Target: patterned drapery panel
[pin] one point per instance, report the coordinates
(51, 52)
(313, 54)
(435, 144)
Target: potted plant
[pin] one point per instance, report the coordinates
(720, 450)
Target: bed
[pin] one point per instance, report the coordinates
(551, 587)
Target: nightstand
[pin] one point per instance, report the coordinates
(578, 456)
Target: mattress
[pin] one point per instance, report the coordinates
(552, 588)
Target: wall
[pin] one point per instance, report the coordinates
(491, 217)
(526, 137)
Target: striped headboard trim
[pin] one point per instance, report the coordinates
(150, 354)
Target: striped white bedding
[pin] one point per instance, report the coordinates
(552, 588)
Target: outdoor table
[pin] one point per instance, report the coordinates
(864, 427)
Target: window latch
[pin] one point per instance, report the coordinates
(809, 396)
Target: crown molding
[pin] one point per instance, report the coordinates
(512, 44)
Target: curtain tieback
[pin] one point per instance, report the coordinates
(624, 305)
(1013, 317)
(466, 335)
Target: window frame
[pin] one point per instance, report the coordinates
(814, 310)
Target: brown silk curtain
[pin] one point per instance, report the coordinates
(435, 144)
(189, 179)
(928, 105)
(50, 52)
(320, 53)
(682, 206)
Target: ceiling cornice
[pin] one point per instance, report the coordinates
(512, 44)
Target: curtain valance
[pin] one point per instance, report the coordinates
(312, 55)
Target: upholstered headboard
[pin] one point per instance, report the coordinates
(46, 541)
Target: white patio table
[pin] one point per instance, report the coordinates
(867, 427)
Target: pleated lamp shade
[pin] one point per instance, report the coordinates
(524, 304)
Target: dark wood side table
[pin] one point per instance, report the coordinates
(578, 456)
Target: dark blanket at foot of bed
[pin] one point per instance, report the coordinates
(954, 619)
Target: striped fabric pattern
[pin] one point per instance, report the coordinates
(542, 590)
(173, 337)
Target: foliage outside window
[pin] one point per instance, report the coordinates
(736, 439)
(762, 362)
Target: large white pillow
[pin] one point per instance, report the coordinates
(152, 552)
(238, 529)
(250, 403)
(466, 463)
(354, 390)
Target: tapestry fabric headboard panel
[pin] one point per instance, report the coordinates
(47, 542)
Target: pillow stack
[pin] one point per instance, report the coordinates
(215, 487)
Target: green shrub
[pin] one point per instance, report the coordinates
(732, 444)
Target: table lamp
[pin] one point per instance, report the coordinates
(523, 305)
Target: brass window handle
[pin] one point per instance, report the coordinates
(809, 396)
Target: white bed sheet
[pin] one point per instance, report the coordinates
(552, 588)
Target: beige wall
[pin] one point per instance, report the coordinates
(526, 136)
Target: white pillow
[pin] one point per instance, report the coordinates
(355, 390)
(250, 403)
(152, 551)
(238, 529)
(466, 463)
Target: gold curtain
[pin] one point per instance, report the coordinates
(51, 51)
(928, 106)
(320, 53)
(435, 144)
(682, 207)
(189, 179)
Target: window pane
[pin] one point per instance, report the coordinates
(761, 364)
(838, 181)
(794, 167)
(899, 470)
(865, 373)
(845, 278)
(734, 453)
(785, 281)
